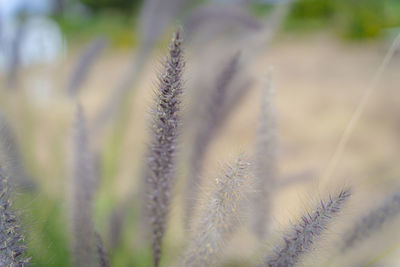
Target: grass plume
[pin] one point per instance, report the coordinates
(265, 162)
(219, 217)
(303, 234)
(12, 249)
(162, 149)
(82, 189)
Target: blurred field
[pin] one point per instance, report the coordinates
(319, 81)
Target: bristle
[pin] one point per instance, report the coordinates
(265, 162)
(82, 195)
(219, 217)
(162, 150)
(303, 234)
(212, 121)
(12, 250)
(372, 222)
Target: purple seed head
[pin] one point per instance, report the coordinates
(303, 234)
(162, 149)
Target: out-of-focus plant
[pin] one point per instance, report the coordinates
(351, 19)
(221, 216)
(125, 6)
(165, 125)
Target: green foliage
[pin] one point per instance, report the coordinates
(47, 233)
(354, 19)
(118, 28)
(129, 252)
(259, 9)
(351, 19)
(312, 9)
(125, 6)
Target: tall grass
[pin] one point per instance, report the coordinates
(219, 216)
(299, 240)
(160, 174)
(240, 187)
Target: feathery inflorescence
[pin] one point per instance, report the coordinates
(372, 222)
(219, 217)
(12, 249)
(305, 232)
(212, 122)
(265, 162)
(162, 149)
(82, 190)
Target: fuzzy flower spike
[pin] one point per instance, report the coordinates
(219, 216)
(162, 149)
(305, 232)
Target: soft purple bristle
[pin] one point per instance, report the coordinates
(303, 234)
(219, 216)
(162, 149)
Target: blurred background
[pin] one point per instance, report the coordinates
(105, 54)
